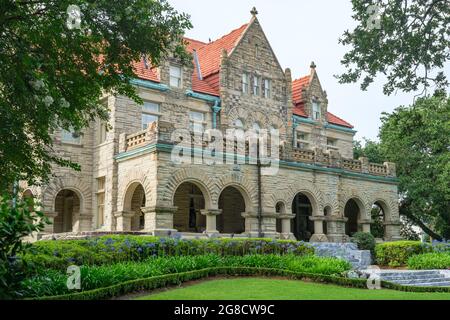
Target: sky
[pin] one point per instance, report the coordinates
(301, 31)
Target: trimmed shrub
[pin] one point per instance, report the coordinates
(396, 254)
(435, 260)
(364, 241)
(112, 249)
(94, 277)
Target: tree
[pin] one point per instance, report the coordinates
(370, 150)
(408, 41)
(18, 219)
(55, 64)
(417, 139)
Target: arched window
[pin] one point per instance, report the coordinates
(256, 127)
(238, 124)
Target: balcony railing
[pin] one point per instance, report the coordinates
(161, 131)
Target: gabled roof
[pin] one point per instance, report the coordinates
(209, 57)
(299, 106)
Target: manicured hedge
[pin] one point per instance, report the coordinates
(435, 260)
(53, 282)
(178, 278)
(397, 254)
(152, 283)
(112, 249)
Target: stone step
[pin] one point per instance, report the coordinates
(433, 284)
(419, 281)
(412, 277)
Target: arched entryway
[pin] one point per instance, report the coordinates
(189, 200)
(67, 208)
(232, 204)
(378, 215)
(29, 198)
(137, 202)
(302, 226)
(352, 212)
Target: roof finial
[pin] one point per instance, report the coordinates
(313, 65)
(254, 12)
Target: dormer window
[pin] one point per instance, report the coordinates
(316, 112)
(175, 76)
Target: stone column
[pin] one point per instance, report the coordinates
(336, 229)
(286, 232)
(123, 220)
(159, 220)
(269, 225)
(211, 220)
(392, 231)
(365, 223)
(318, 235)
(251, 224)
(49, 228)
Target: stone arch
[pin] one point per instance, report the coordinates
(259, 117)
(308, 189)
(276, 121)
(238, 181)
(195, 176)
(133, 177)
(361, 200)
(238, 113)
(68, 182)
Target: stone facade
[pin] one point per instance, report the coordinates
(129, 181)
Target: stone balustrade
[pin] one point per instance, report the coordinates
(161, 131)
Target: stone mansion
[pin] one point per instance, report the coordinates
(129, 183)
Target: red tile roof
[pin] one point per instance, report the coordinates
(297, 86)
(299, 108)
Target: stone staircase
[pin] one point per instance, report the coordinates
(359, 259)
(422, 278)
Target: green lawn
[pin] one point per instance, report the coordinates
(275, 289)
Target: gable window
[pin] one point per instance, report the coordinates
(316, 113)
(150, 114)
(302, 141)
(197, 121)
(256, 85)
(70, 137)
(245, 83)
(256, 51)
(175, 76)
(331, 143)
(267, 88)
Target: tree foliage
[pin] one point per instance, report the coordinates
(370, 149)
(53, 73)
(417, 139)
(407, 41)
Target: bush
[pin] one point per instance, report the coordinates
(17, 220)
(435, 260)
(364, 241)
(112, 249)
(94, 277)
(396, 254)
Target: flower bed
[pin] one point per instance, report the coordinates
(53, 282)
(112, 249)
(435, 260)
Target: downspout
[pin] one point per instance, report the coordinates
(215, 109)
(258, 167)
